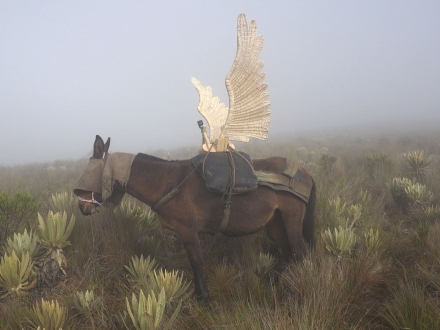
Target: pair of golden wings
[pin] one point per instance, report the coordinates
(248, 113)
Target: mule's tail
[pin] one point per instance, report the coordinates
(308, 229)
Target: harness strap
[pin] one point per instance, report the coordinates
(165, 199)
(170, 195)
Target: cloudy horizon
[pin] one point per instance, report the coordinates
(73, 69)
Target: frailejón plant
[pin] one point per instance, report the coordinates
(418, 194)
(415, 164)
(48, 315)
(146, 313)
(54, 232)
(60, 202)
(340, 241)
(14, 273)
(21, 243)
(337, 207)
(140, 270)
(173, 284)
(371, 239)
(262, 263)
(86, 303)
(135, 213)
(397, 188)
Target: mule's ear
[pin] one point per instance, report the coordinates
(106, 147)
(98, 147)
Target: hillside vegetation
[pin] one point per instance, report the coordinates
(376, 263)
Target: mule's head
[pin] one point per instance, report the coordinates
(89, 187)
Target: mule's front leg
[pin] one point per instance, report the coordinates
(190, 240)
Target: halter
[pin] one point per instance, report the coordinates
(93, 200)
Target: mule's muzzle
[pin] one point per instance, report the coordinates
(87, 208)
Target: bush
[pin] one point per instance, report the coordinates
(15, 212)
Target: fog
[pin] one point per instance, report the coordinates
(72, 69)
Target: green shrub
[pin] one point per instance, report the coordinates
(378, 166)
(326, 163)
(15, 212)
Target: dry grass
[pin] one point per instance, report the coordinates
(394, 285)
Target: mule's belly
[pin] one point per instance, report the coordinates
(251, 212)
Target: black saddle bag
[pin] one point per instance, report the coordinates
(227, 172)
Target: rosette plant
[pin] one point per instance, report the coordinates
(48, 315)
(14, 273)
(147, 313)
(22, 243)
(54, 232)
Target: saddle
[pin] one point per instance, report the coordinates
(226, 172)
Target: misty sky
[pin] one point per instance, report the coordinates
(72, 69)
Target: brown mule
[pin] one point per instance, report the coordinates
(194, 209)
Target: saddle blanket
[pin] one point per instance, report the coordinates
(293, 179)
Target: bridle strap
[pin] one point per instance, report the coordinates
(93, 200)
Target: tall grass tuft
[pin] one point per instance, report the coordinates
(410, 307)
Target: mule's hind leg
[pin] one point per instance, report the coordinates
(277, 233)
(190, 240)
(293, 212)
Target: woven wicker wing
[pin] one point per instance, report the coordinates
(210, 107)
(248, 106)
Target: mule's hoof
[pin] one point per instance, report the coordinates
(203, 299)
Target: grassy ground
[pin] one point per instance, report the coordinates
(388, 278)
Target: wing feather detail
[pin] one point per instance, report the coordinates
(210, 107)
(248, 114)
